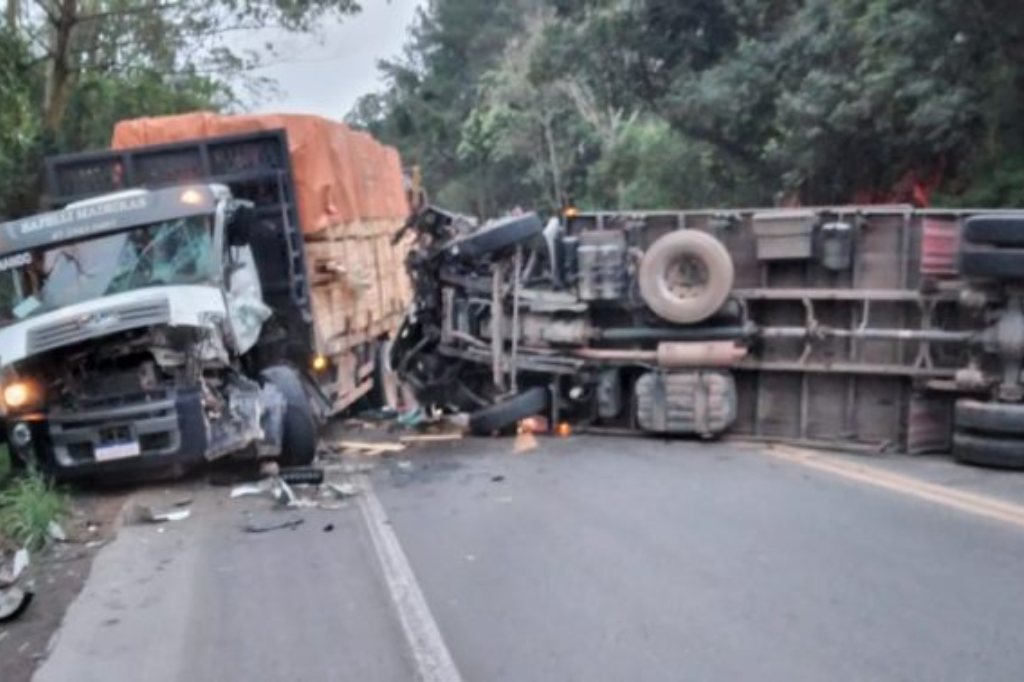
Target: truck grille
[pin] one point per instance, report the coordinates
(100, 323)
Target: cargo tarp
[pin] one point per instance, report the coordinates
(343, 177)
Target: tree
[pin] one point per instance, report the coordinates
(102, 37)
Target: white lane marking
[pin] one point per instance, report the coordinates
(433, 661)
(971, 503)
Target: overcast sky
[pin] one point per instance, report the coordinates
(327, 78)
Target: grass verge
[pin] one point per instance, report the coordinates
(5, 464)
(29, 503)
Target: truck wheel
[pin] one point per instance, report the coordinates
(995, 230)
(991, 262)
(998, 453)
(990, 418)
(508, 413)
(298, 444)
(496, 236)
(686, 276)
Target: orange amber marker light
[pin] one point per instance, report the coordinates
(571, 212)
(192, 197)
(319, 363)
(564, 430)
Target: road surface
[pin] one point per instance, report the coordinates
(586, 559)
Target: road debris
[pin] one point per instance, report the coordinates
(342, 491)
(140, 513)
(370, 447)
(252, 526)
(413, 417)
(14, 601)
(525, 441)
(56, 532)
(431, 438)
(329, 528)
(497, 479)
(303, 475)
(405, 465)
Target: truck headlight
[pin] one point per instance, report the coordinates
(19, 394)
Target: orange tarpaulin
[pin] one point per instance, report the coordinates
(341, 176)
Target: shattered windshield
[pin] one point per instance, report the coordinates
(172, 252)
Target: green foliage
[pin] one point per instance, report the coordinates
(99, 101)
(70, 70)
(28, 506)
(645, 103)
(5, 464)
(20, 129)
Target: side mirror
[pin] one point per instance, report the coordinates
(241, 224)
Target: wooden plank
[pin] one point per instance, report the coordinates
(369, 445)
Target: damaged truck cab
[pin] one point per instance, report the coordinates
(127, 329)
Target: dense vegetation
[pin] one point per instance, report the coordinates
(543, 103)
(69, 69)
(674, 103)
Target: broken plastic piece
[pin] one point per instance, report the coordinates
(249, 489)
(143, 514)
(342, 490)
(21, 561)
(13, 602)
(413, 417)
(56, 532)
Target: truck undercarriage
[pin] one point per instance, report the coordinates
(871, 327)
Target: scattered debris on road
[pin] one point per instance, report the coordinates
(14, 601)
(431, 438)
(253, 526)
(56, 532)
(303, 475)
(370, 448)
(140, 513)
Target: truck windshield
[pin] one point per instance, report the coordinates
(173, 252)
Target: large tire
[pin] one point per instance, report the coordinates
(990, 262)
(299, 441)
(990, 418)
(997, 453)
(686, 276)
(497, 236)
(997, 230)
(508, 413)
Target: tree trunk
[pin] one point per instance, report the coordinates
(556, 171)
(12, 14)
(61, 76)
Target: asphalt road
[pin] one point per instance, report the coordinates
(587, 559)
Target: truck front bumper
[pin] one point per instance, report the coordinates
(121, 437)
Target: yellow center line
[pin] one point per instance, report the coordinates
(971, 503)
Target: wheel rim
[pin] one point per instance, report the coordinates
(686, 277)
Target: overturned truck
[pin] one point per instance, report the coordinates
(876, 327)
